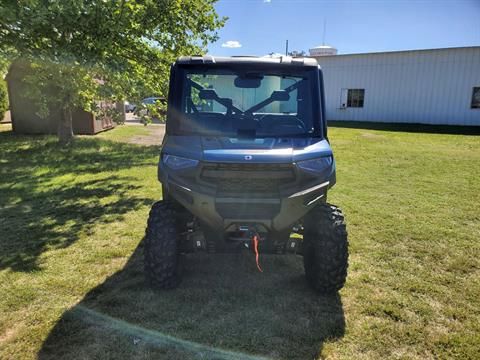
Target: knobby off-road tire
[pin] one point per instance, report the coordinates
(325, 249)
(163, 265)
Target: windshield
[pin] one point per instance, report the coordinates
(224, 102)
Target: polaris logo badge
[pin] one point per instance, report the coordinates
(248, 157)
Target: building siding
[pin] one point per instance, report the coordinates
(423, 86)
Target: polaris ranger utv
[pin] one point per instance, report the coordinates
(245, 163)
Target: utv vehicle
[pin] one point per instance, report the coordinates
(246, 164)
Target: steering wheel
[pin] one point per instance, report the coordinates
(280, 121)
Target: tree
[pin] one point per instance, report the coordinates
(3, 98)
(86, 50)
(3, 86)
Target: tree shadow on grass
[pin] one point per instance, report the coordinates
(224, 309)
(50, 196)
(408, 127)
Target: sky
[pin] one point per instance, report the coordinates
(260, 27)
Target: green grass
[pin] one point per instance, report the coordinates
(71, 282)
(123, 133)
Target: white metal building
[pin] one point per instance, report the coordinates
(437, 86)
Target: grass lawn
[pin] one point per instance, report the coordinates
(71, 282)
(123, 133)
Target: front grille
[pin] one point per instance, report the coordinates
(247, 211)
(247, 178)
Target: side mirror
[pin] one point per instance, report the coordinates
(280, 95)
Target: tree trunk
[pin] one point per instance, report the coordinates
(65, 127)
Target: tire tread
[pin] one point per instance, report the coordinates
(161, 257)
(325, 249)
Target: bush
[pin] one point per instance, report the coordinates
(3, 98)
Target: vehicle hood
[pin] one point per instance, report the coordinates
(260, 150)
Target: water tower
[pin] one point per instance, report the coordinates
(322, 50)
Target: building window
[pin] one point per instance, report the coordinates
(476, 98)
(355, 97)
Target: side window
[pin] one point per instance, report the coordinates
(355, 97)
(475, 98)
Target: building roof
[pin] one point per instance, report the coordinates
(404, 51)
(323, 47)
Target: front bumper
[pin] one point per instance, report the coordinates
(226, 211)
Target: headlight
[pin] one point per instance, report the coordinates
(316, 165)
(178, 163)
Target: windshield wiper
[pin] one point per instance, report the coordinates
(228, 103)
(272, 98)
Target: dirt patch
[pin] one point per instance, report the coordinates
(155, 136)
(8, 334)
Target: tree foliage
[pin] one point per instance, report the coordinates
(3, 98)
(4, 63)
(86, 50)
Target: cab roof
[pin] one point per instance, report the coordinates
(247, 60)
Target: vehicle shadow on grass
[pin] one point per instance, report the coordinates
(50, 196)
(224, 309)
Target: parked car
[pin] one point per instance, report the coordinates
(130, 107)
(152, 100)
(142, 110)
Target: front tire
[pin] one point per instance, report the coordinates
(325, 249)
(163, 265)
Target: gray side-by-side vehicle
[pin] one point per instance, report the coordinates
(245, 164)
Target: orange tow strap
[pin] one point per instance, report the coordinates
(255, 247)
